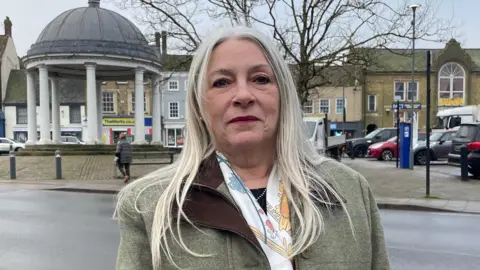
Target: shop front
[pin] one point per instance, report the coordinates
(175, 135)
(113, 126)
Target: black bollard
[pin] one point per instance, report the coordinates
(464, 162)
(13, 165)
(58, 164)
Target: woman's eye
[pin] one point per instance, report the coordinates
(262, 79)
(220, 83)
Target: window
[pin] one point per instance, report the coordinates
(172, 85)
(308, 107)
(108, 104)
(448, 136)
(451, 84)
(324, 106)
(173, 110)
(401, 90)
(144, 102)
(22, 115)
(413, 90)
(75, 115)
(372, 103)
(339, 105)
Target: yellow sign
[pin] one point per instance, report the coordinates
(451, 101)
(118, 121)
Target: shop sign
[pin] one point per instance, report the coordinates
(451, 101)
(118, 121)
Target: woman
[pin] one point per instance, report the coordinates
(124, 155)
(248, 191)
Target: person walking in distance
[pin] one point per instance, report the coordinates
(124, 152)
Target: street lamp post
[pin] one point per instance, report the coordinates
(412, 111)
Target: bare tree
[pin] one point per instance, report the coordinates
(313, 35)
(318, 34)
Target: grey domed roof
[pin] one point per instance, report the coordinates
(92, 30)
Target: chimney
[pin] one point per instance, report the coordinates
(157, 40)
(164, 42)
(8, 27)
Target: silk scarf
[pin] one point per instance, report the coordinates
(272, 229)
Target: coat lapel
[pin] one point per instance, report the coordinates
(210, 204)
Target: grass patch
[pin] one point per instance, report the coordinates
(431, 197)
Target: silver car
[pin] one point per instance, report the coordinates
(440, 147)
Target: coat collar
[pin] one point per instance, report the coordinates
(210, 204)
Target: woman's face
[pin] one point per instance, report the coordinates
(241, 100)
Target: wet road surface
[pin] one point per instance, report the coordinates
(432, 241)
(53, 230)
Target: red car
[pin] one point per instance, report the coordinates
(388, 150)
(383, 150)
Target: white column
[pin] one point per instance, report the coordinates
(31, 109)
(55, 110)
(92, 117)
(44, 105)
(99, 113)
(156, 112)
(139, 108)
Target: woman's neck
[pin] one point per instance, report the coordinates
(253, 167)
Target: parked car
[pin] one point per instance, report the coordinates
(5, 144)
(468, 134)
(440, 147)
(71, 140)
(359, 146)
(388, 150)
(383, 150)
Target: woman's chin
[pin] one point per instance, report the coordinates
(246, 139)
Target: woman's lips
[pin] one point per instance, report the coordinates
(243, 119)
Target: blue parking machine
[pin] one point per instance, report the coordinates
(405, 137)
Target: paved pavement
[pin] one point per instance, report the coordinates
(388, 181)
(73, 168)
(51, 230)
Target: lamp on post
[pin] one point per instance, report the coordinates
(412, 111)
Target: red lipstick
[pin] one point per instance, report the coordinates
(244, 119)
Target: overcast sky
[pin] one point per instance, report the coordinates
(29, 17)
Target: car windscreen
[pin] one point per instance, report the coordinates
(436, 136)
(373, 133)
(394, 139)
(467, 132)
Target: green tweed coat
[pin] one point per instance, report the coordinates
(226, 235)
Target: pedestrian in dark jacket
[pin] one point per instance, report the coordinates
(124, 153)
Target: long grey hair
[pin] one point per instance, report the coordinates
(297, 160)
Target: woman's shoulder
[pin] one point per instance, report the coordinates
(139, 198)
(345, 180)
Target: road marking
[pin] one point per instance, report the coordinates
(457, 214)
(435, 251)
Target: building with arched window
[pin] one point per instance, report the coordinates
(455, 82)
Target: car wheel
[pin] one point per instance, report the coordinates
(18, 149)
(421, 157)
(360, 151)
(387, 154)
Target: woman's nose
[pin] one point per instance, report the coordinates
(243, 95)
